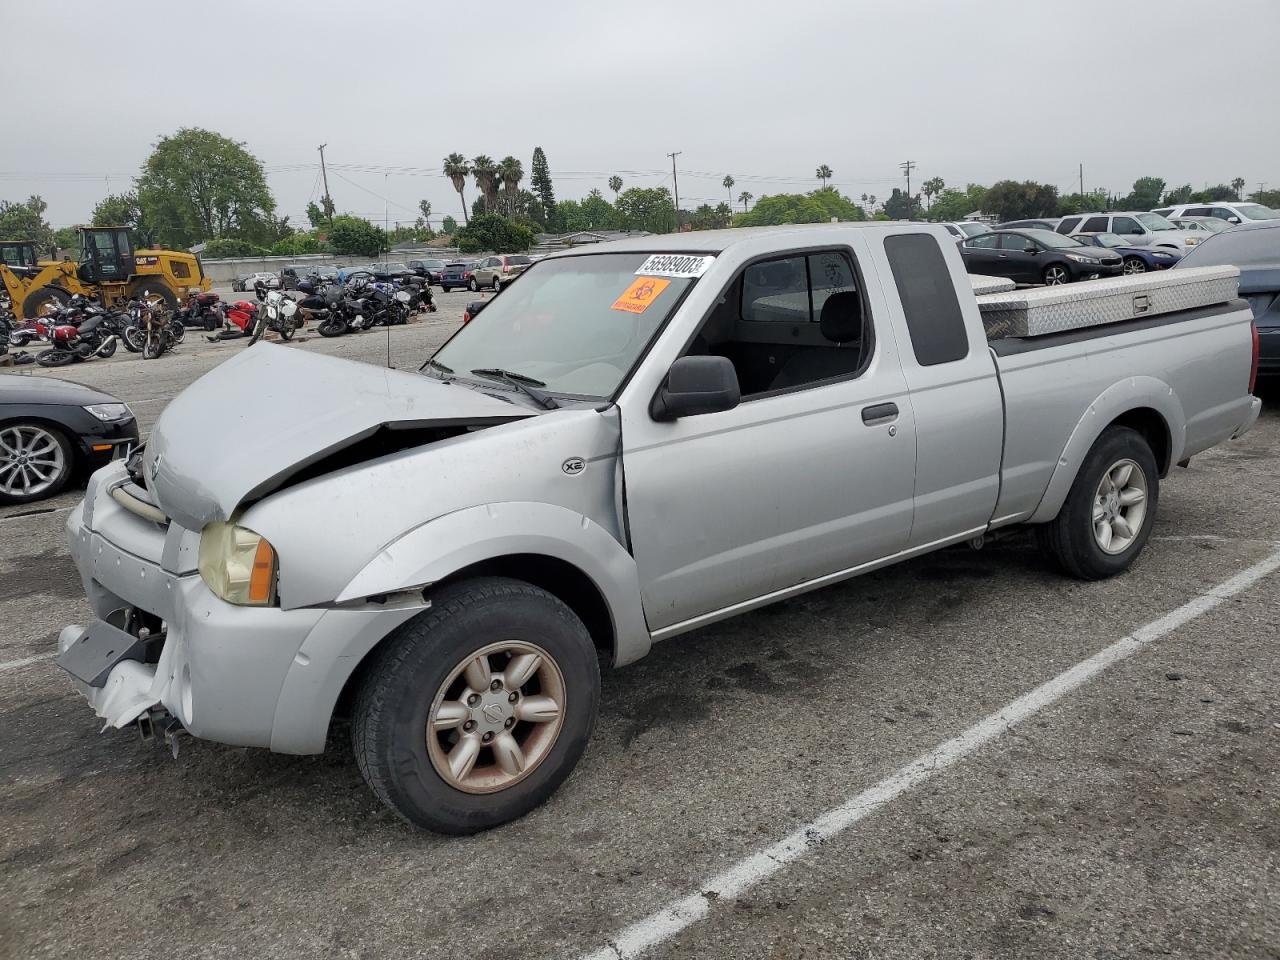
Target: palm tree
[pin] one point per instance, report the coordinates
(486, 173)
(823, 173)
(931, 188)
(615, 184)
(457, 170)
(872, 200)
(1237, 185)
(727, 183)
(511, 172)
(745, 198)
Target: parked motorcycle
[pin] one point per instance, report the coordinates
(97, 336)
(158, 330)
(278, 312)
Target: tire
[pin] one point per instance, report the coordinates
(473, 285)
(410, 680)
(1056, 274)
(49, 454)
(152, 347)
(151, 290)
(444, 289)
(1133, 265)
(1073, 537)
(36, 300)
(56, 358)
(497, 285)
(133, 338)
(259, 327)
(109, 351)
(177, 330)
(332, 327)
(287, 329)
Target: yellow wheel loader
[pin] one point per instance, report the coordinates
(110, 268)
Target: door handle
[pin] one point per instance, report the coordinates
(880, 413)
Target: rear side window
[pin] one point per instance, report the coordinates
(1067, 225)
(928, 295)
(1096, 225)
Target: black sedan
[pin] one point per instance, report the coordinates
(1037, 256)
(432, 270)
(52, 430)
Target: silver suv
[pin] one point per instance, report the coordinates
(495, 271)
(1139, 229)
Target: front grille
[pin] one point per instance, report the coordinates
(1110, 261)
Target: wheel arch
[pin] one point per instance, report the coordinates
(1145, 404)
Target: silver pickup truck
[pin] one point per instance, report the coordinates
(635, 440)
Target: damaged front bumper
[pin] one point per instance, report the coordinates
(249, 676)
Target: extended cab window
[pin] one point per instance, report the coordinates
(1126, 226)
(1067, 225)
(928, 295)
(986, 241)
(789, 322)
(1096, 225)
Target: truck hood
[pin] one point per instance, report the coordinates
(252, 423)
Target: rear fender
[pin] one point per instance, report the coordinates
(1132, 393)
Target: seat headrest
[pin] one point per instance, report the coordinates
(841, 320)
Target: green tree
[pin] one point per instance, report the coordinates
(449, 226)
(424, 206)
(615, 184)
(355, 236)
(485, 172)
(540, 180)
(231, 248)
(457, 169)
(899, 206)
(1268, 198)
(597, 212)
(297, 244)
(198, 185)
(124, 208)
(67, 240)
(707, 217)
(1214, 194)
(1011, 200)
(25, 221)
(510, 172)
(488, 231)
(745, 199)
(816, 207)
(315, 216)
(727, 183)
(931, 188)
(1146, 194)
(1095, 201)
(1237, 185)
(1180, 194)
(823, 173)
(642, 208)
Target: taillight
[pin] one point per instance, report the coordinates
(466, 316)
(1257, 348)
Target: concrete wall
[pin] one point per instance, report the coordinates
(224, 271)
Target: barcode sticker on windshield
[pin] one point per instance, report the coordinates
(675, 265)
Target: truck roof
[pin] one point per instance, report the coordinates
(718, 241)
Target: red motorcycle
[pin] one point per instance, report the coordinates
(97, 336)
(237, 320)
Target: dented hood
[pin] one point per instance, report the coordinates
(252, 422)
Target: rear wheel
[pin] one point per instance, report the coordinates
(1056, 274)
(177, 330)
(332, 327)
(35, 461)
(473, 713)
(56, 358)
(108, 349)
(37, 301)
(1110, 509)
(1134, 265)
(133, 338)
(497, 285)
(473, 285)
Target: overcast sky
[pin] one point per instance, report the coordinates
(971, 91)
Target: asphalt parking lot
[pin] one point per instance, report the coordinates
(1137, 815)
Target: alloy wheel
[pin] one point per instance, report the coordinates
(496, 717)
(1055, 276)
(1119, 506)
(31, 460)
(1134, 265)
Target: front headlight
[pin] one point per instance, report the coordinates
(237, 565)
(1190, 241)
(108, 411)
(1079, 259)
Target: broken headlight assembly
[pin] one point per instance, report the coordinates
(238, 565)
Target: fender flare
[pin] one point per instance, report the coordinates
(1131, 393)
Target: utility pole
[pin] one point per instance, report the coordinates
(675, 184)
(1082, 183)
(907, 166)
(328, 200)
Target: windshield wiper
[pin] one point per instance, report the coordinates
(435, 365)
(526, 385)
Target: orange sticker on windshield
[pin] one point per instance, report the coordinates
(642, 292)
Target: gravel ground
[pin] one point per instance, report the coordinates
(1137, 816)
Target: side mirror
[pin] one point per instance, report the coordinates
(1233, 219)
(694, 385)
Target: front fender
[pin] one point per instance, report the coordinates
(1132, 393)
(433, 551)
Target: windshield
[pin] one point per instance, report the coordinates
(518, 260)
(433, 264)
(1109, 240)
(1256, 211)
(973, 229)
(577, 324)
(1051, 239)
(1153, 221)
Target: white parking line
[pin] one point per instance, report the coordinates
(667, 922)
(15, 664)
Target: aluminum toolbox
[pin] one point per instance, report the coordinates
(1036, 312)
(983, 284)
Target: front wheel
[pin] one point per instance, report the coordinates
(1056, 274)
(473, 285)
(1110, 509)
(133, 338)
(36, 461)
(1134, 265)
(177, 330)
(108, 349)
(286, 329)
(56, 358)
(474, 712)
(497, 285)
(332, 327)
(152, 347)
